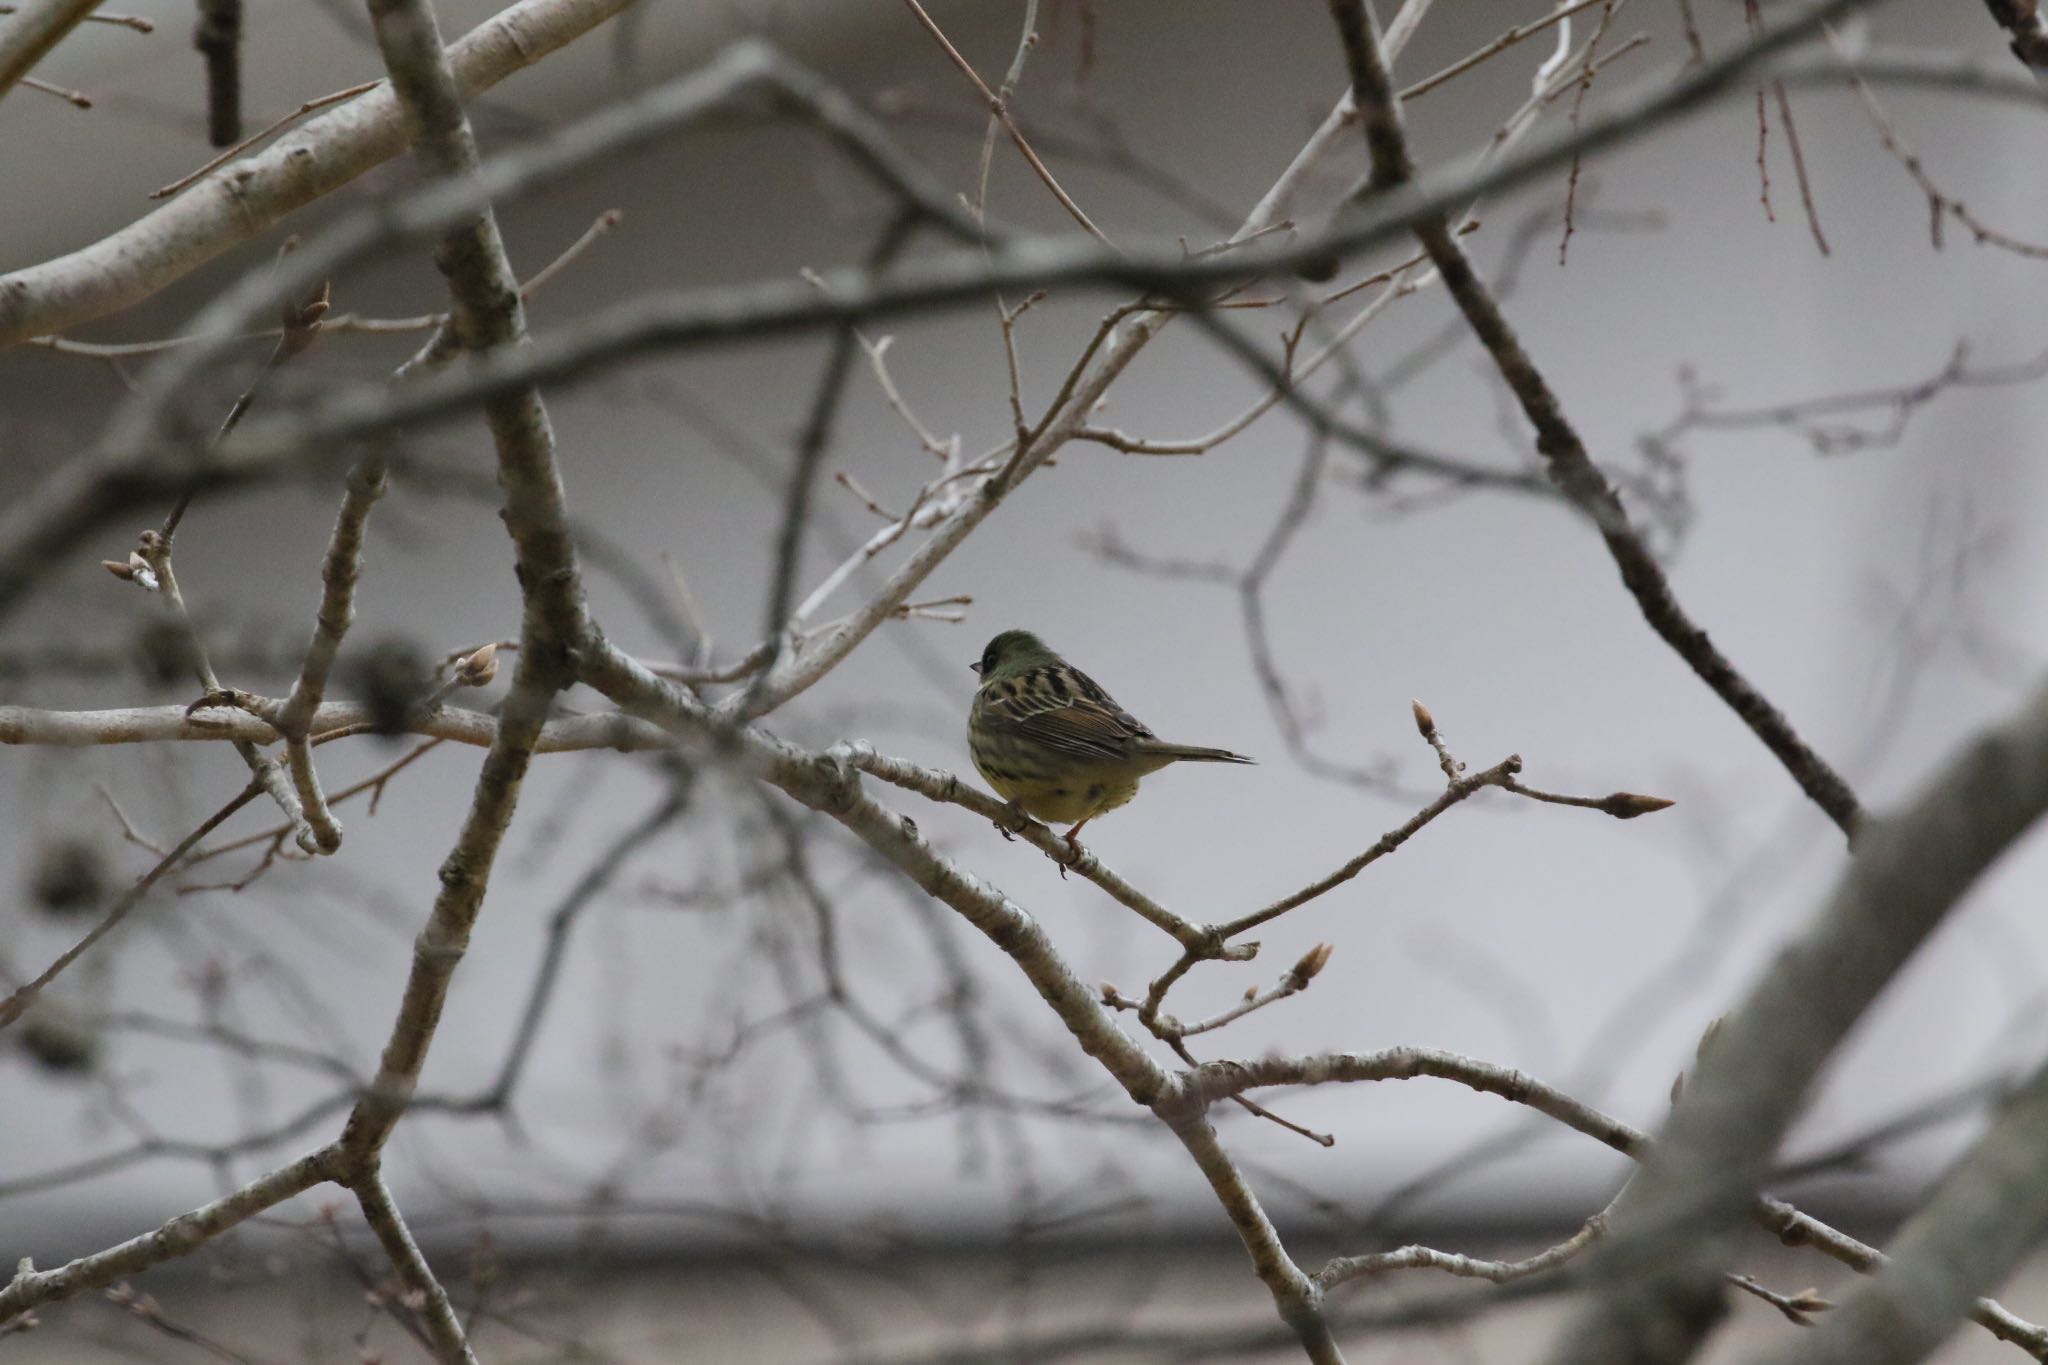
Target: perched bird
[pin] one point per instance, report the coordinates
(1053, 743)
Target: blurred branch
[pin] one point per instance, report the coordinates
(134, 262)
(153, 724)
(1980, 1222)
(48, 521)
(23, 996)
(602, 871)
(2027, 26)
(30, 30)
(1908, 872)
(1219, 1080)
(1020, 263)
(811, 445)
(999, 108)
(218, 38)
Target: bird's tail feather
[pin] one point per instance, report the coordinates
(1194, 753)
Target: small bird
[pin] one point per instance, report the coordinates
(1054, 744)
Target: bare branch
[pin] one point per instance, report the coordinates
(2027, 26)
(451, 1346)
(1907, 874)
(153, 724)
(33, 28)
(1343, 1269)
(183, 1234)
(232, 206)
(219, 40)
(25, 995)
(486, 315)
(1571, 467)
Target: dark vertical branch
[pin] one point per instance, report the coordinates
(219, 39)
(816, 438)
(1570, 467)
(486, 314)
(2027, 26)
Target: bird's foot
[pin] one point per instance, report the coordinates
(1074, 851)
(1017, 814)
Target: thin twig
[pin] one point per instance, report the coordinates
(310, 106)
(1001, 111)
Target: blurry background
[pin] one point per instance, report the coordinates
(695, 1087)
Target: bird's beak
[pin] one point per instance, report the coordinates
(975, 668)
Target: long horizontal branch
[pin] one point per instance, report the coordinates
(1215, 1081)
(245, 197)
(156, 724)
(138, 463)
(773, 308)
(182, 1235)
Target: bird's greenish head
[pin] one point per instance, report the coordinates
(1012, 653)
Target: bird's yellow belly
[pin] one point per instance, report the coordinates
(1063, 800)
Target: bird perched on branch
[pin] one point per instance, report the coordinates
(1054, 744)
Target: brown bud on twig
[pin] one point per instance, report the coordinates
(1810, 1301)
(1312, 962)
(480, 668)
(1628, 805)
(1424, 721)
(119, 568)
(302, 319)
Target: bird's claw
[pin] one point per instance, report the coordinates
(1017, 813)
(1074, 855)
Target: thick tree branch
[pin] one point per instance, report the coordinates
(947, 787)
(776, 308)
(1221, 1080)
(219, 40)
(155, 724)
(1296, 1294)
(245, 197)
(28, 34)
(1659, 1278)
(486, 314)
(2027, 26)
